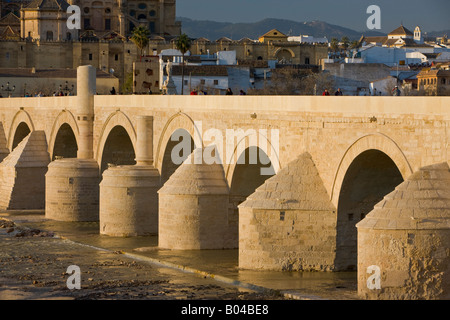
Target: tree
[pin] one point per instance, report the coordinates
(291, 81)
(127, 87)
(334, 45)
(355, 44)
(345, 43)
(183, 44)
(140, 37)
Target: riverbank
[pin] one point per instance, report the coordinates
(36, 253)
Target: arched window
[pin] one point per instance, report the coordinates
(152, 13)
(142, 6)
(142, 16)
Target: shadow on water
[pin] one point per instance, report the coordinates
(328, 285)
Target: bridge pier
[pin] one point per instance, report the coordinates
(193, 207)
(22, 174)
(128, 194)
(403, 244)
(72, 188)
(289, 223)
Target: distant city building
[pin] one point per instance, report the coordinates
(32, 81)
(38, 37)
(308, 39)
(273, 35)
(435, 81)
(398, 38)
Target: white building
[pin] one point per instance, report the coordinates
(399, 47)
(382, 87)
(308, 39)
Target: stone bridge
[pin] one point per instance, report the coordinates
(333, 159)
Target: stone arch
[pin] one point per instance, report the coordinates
(372, 168)
(250, 139)
(116, 119)
(20, 117)
(378, 142)
(65, 145)
(65, 117)
(118, 149)
(168, 165)
(248, 174)
(175, 122)
(284, 53)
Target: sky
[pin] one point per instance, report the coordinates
(430, 15)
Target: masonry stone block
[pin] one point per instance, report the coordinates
(407, 236)
(289, 226)
(72, 190)
(22, 174)
(129, 201)
(193, 208)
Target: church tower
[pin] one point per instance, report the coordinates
(418, 35)
(46, 20)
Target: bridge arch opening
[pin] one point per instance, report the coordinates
(183, 148)
(252, 169)
(118, 149)
(65, 143)
(371, 176)
(22, 131)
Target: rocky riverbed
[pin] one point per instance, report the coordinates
(34, 263)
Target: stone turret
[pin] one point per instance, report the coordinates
(403, 244)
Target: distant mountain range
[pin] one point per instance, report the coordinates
(236, 31)
(213, 30)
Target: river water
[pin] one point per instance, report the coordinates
(222, 265)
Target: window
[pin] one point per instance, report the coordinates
(87, 23)
(152, 13)
(116, 57)
(306, 60)
(216, 82)
(108, 10)
(86, 10)
(49, 35)
(107, 24)
(142, 16)
(443, 81)
(185, 82)
(202, 81)
(142, 6)
(151, 27)
(90, 56)
(68, 36)
(132, 13)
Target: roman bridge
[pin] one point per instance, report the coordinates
(333, 159)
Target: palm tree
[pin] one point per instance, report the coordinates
(140, 37)
(354, 44)
(345, 43)
(183, 44)
(334, 44)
